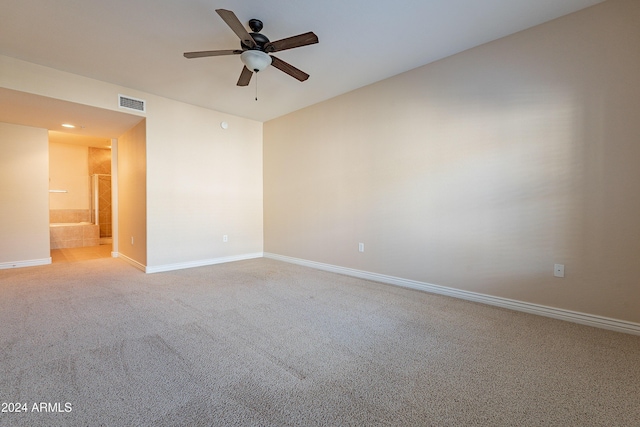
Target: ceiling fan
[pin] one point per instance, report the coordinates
(256, 47)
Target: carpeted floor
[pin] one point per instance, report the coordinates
(265, 343)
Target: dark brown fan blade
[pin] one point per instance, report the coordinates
(291, 42)
(289, 69)
(245, 77)
(234, 23)
(206, 53)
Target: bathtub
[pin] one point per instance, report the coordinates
(64, 235)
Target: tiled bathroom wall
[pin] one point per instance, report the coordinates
(100, 163)
(104, 214)
(69, 215)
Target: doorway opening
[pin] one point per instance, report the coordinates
(26, 115)
(80, 204)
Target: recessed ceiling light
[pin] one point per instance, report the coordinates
(67, 125)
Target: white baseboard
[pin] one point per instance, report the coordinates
(27, 263)
(201, 263)
(541, 310)
(131, 261)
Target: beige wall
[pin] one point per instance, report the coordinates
(69, 170)
(132, 194)
(480, 171)
(203, 182)
(24, 196)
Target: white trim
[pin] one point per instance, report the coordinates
(541, 310)
(131, 261)
(27, 263)
(201, 263)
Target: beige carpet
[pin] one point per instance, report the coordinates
(264, 343)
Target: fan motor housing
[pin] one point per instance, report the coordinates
(260, 40)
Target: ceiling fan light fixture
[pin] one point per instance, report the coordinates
(255, 60)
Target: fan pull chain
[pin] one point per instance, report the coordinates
(256, 86)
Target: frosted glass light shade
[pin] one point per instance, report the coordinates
(255, 60)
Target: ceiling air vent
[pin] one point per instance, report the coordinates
(131, 103)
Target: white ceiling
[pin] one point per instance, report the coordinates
(139, 43)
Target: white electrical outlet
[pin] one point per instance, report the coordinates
(558, 270)
(225, 238)
(360, 247)
(132, 240)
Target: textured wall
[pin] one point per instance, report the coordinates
(69, 171)
(479, 171)
(132, 194)
(24, 196)
(204, 182)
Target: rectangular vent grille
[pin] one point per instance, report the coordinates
(131, 103)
